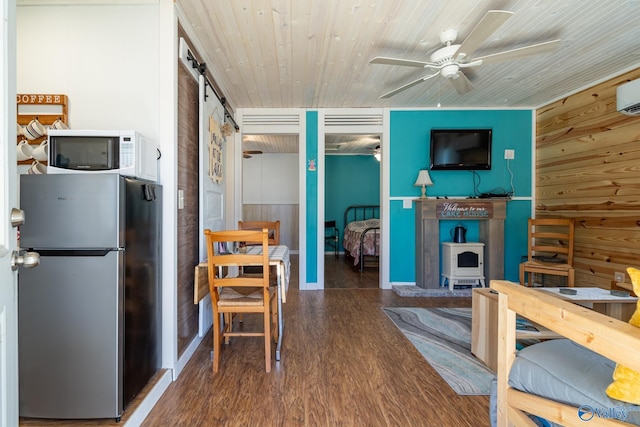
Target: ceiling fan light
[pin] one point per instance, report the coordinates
(450, 71)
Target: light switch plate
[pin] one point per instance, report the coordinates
(406, 204)
(509, 154)
(180, 199)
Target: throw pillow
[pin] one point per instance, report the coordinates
(626, 382)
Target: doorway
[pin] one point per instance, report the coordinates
(270, 183)
(349, 122)
(283, 127)
(352, 178)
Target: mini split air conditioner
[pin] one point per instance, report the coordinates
(628, 98)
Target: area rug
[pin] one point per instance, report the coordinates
(443, 337)
(415, 291)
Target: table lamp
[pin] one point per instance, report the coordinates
(423, 180)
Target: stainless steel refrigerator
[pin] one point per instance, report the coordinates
(89, 314)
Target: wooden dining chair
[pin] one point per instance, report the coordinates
(550, 250)
(331, 236)
(234, 293)
(272, 226)
(274, 238)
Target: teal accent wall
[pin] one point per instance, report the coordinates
(349, 180)
(515, 237)
(409, 152)
(312, 197)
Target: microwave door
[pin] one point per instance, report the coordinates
(84, 153)
(72, 211)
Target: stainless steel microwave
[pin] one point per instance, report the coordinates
(102, 151)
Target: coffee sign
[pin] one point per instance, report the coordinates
(40, 99)
(464, 210)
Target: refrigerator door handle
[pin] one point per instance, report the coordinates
(27, 260)
(17, 217)
(75, 252)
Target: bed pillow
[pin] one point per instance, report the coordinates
(626, 382)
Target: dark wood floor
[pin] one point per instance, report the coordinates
(340, 273)
(343, 363)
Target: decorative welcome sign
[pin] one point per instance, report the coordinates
(464, 210)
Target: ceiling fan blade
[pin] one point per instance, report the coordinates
(521, 52)
(462, 84)
(246, 156)
(408, 85)
(404, 62)
(487, 26)
(473, 63)
(252, 152)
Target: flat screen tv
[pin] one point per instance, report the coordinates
(460, 149)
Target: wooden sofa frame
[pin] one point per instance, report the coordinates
(612, 338)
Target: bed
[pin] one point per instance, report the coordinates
(361, 236)
(561, 381)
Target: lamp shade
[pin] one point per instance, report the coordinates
(423, 178)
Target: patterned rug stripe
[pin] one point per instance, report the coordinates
(443, 337)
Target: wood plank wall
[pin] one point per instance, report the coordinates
(188, 182)
(588, 168)
(286, 214)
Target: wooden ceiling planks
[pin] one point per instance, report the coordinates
(314, 54)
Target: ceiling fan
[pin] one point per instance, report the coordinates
(248, 154)
(449, 60)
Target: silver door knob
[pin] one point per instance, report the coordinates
(28, 260)
(17, 217)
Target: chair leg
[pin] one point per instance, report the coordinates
(227, 326)
(267, 339)
(522, 274)
(216, 342)
(274, 319)
(571, 278)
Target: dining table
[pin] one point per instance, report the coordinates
(279, 257)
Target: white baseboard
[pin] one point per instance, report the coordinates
(401, 284)
(309, 286)
(186, 356)
(150, 400)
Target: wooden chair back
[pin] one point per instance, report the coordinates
(550, 250)
(233, 293)
(272, 226)
(550, 238)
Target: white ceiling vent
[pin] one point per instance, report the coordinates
(271, 120)
(628, 98)
(373, 119)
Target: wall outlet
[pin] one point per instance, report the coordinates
(509, 154)
(618, 277)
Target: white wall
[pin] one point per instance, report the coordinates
(105, 58)
(270, 179)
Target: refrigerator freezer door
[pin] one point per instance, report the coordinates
(72, 211)
(71, 333)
